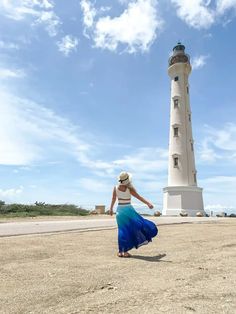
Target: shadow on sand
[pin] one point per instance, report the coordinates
(156, 258)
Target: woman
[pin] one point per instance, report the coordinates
(133, 229)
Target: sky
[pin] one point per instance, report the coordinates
(85, 94)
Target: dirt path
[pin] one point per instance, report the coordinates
(188, 268)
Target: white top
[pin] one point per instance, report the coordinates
(123, 197)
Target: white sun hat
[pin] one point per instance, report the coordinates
(124, 177)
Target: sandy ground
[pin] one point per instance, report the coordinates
(188, 268)
(51, 218)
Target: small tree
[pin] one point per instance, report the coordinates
(2, 203)
(39, 203)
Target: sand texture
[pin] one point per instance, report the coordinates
(188, 268)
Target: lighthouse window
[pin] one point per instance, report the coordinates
(192, 146)
(187, 90)
(176, 161)
(176, 103)
(176, 78)
(176, 131)
(195, 177)
(189, 117)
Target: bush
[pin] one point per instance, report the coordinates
(2, 203)
(42, 209)
(39, 203)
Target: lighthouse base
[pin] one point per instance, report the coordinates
(182, 198)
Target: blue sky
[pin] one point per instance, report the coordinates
(85, 94)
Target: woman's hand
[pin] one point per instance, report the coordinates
(111, 212)
(150, 205)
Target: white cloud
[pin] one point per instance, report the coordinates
(104, 9)
(208, 153)
(151, 186)
(68, 44)
(208, 35)
(102, 184)
(50, 21)
(41, 11)
(143, 161)
(199, 61)
(225, 5)
(123, 2)
(94, 185)
(229, 180)
(89, 13)
(219, 208)
(148, 159)
(30, 132)
(219, 189)
(17, 9)
(135, 29)
(46, 4)
(8, 45)
(219, 144)
(202, 14)
(223, 138)
(196, 13)
(11, 73)
(11, 192)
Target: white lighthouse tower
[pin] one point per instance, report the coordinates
(182, 192)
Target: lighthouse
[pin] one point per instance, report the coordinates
(182, 192)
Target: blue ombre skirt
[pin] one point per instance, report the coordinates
(133, 229)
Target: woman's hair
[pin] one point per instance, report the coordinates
(130, 186)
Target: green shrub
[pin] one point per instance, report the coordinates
(39, 203)
(42, 209)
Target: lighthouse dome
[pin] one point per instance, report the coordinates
(178, 49)
(179, 55)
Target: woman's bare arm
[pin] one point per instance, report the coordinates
(140, 198)
(112, 201)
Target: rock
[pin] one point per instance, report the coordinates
(183, 213)
(190, 308)
(199, 214)
(157, 213)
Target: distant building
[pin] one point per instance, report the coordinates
(182, 192)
